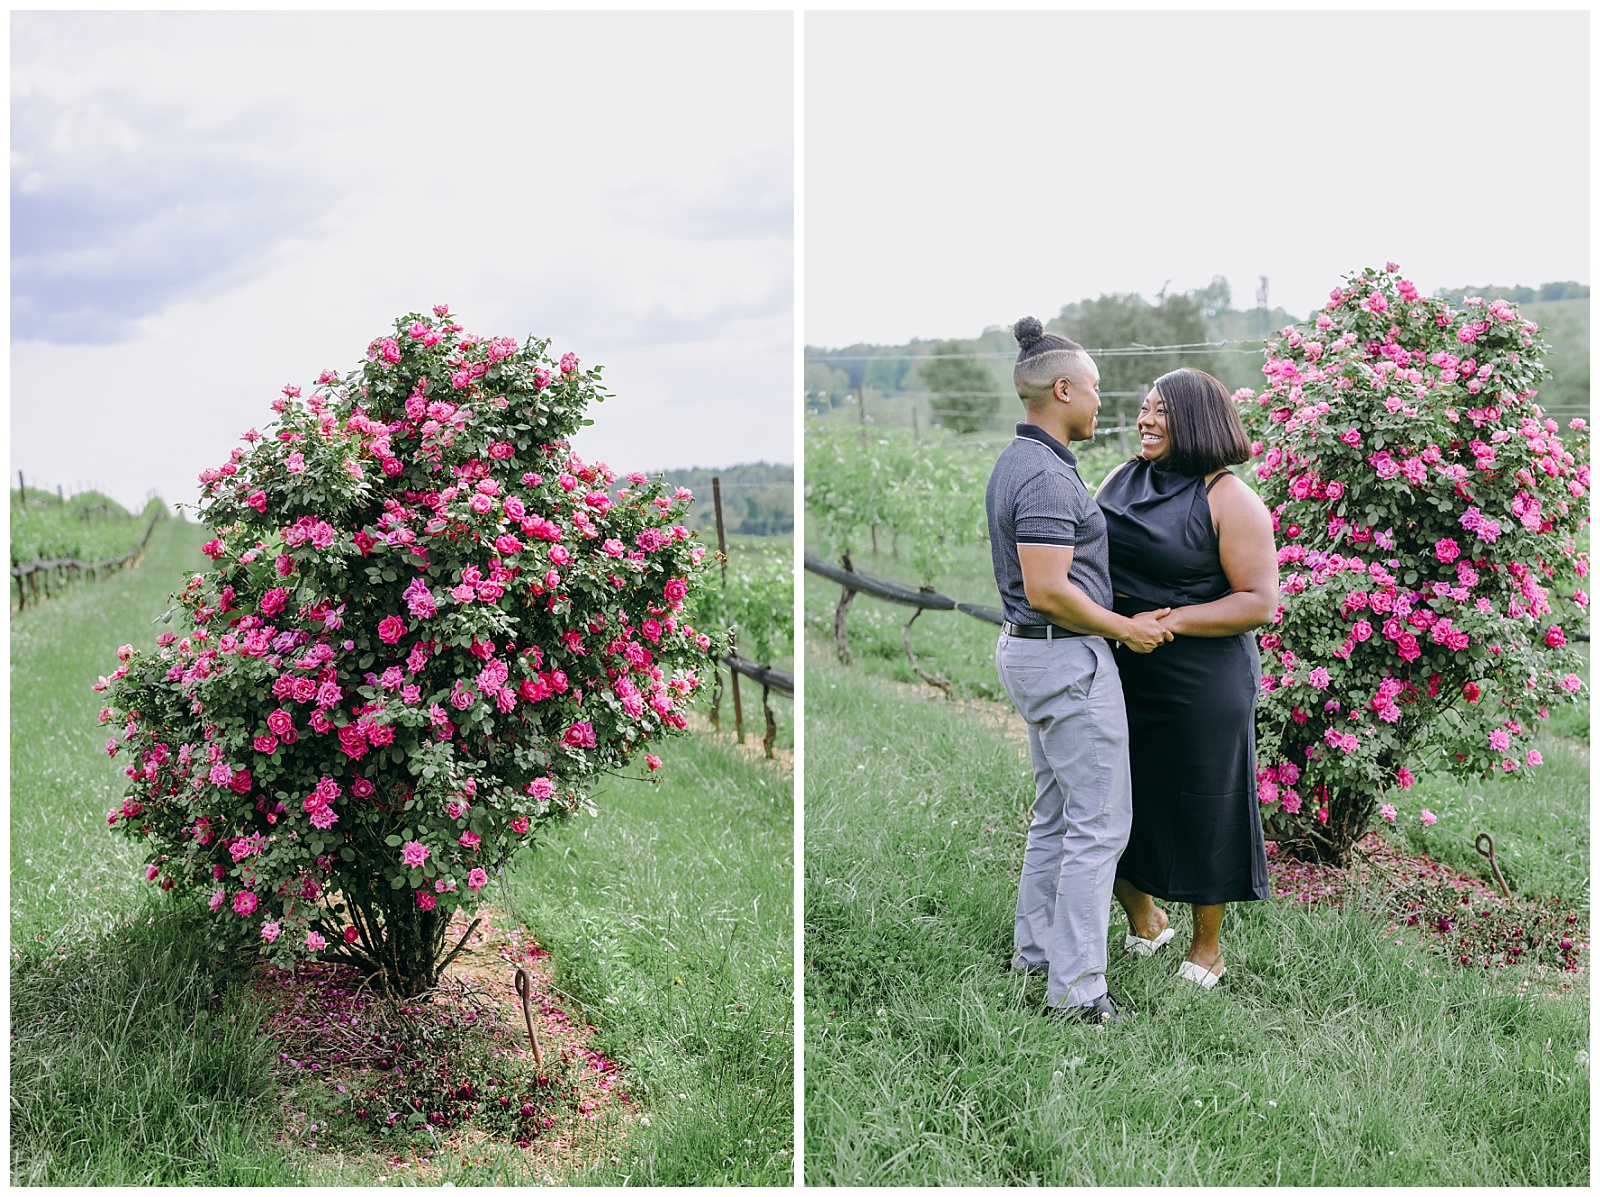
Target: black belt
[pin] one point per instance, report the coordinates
(1036, 631)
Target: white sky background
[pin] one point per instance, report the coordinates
(964, 170)
(206, 206)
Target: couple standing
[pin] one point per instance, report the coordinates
(1143, 756)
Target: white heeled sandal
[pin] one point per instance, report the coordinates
(1190, 971)
(1140, 946)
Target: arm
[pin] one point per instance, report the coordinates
(1249, 559)
(1063, 603)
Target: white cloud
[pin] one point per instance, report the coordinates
(617, 182)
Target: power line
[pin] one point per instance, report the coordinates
(916, 395)
(1135, 350)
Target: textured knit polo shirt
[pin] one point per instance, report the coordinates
(1036, 497)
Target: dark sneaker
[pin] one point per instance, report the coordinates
(1032, 970)
(1103, 1011)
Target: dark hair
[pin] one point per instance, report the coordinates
(1033, 340)
(1203, 425)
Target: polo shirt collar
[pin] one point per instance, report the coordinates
(1033, 432)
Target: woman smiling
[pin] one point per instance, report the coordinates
(1187, 534)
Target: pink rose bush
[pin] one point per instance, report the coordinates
(416, 643)
(1429, 514)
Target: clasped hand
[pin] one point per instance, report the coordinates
(1147, 632)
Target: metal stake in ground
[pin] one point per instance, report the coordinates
(524, 985)
(1484, 838)
(722, 547)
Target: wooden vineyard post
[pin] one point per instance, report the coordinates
(768, 740)
(841, 640)
(861, 418)
(1122, 424)
(722, 547)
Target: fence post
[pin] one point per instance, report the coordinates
(22, 488)
(1122, 425)
(722, 547)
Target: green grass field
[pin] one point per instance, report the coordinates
(135, 1058)
(1331, 1055)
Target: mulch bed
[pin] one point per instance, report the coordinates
(1463, 917)
(451, 1073)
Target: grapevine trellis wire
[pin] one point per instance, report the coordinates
(923, 598)
(768, 678)
(39, 579)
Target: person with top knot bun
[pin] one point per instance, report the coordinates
(1051, 567)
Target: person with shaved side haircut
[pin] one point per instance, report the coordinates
(1052, 568)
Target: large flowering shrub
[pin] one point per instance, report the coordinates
(1428, 513)
(428, 629)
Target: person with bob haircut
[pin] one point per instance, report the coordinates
(1187, 534)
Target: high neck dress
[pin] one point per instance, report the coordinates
(1191, 703)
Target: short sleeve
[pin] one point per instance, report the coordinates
(1047, 511)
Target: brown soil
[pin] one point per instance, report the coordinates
(754, 729)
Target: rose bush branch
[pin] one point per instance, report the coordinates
(429, 627)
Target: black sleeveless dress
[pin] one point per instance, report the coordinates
(1191, 703)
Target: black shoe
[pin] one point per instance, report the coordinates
(1103, 1011)
(1032, 970)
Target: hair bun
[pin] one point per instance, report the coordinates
(1028, 331)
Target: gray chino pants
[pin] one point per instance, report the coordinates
(1069, 693)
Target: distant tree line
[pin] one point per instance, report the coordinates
(967, 383)
(1544, 293)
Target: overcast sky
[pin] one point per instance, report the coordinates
(206, 206)
(964, 170)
